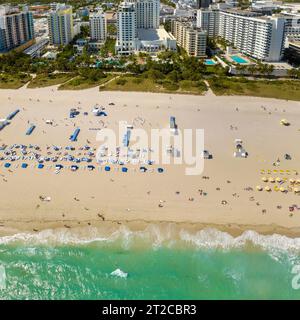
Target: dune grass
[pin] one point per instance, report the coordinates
(141, 84)
(279, 89)
(13, 81)
(79, 83)
(46, 80)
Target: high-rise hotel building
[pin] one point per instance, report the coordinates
(98, 29)
(126, 28)
(260, 37)
(60, 24)
(147, 14)
(16, 28)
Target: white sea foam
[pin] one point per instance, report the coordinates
(119, 273)
(157, 236)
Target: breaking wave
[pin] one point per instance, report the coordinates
(170, 235)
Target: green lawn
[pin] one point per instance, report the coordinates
(280, 89)
(43, 80)
(80, 83)
(13, 81)
(134, 83)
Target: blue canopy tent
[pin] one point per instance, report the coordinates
(29, 131)
(13, 114)
(74, 136)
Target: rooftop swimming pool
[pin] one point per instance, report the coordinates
(238, 59)
(209, 62)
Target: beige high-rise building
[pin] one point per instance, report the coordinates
(192, 39)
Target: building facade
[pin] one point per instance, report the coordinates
(138, 28)
(98, 29)
(208, 19)
(147, 14)
(126, 28)
(60, 24)
(16, 28)
(260, 37)
(190, 38)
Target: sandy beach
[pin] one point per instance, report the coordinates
(224, 196)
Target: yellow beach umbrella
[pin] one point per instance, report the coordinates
(267, 188)
(278, 179)
(275, 171)
(264, 179)
(292, 181)
(276, 188)
(271, 179)
(259, 188)
(298, 181)
(282, 189)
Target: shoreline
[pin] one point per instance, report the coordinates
(108, 227)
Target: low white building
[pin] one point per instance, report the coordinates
(155, 40)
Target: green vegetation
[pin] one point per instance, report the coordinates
(86, 79)
(280, 89)
(168, 3)
(13, 81)
(108, 48)
(46, 79)
(147, 84)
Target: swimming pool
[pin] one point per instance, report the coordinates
(209, 62)
(238, 59)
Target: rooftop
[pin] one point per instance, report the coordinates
(153, 34)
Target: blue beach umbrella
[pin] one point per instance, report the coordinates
(160, 170)
(40, 166)
(124, 169)
(24, 165)
(7, 165)
(107, 168)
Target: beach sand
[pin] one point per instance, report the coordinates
(96, 198)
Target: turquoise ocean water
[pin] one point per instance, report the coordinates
(209, 264)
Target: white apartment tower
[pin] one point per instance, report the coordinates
(98, 29)
(260, 37)
(208, 19)
(60, 24)
(147, 14)
(126, 28)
